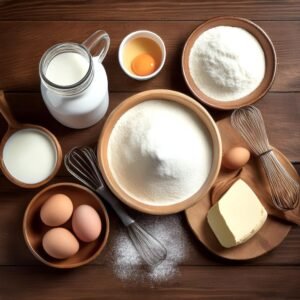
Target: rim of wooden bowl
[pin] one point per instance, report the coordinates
(63, 265)
(270, 60)
(50, 136)
(187, 102)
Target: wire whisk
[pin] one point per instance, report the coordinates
(285, 190)
(83, 165)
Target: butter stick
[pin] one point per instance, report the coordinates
(237, 216)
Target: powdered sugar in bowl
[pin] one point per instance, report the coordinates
(159, 151)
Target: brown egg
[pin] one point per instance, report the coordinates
(86, 223)
(60, 243)
(56, 210)
(236, 158)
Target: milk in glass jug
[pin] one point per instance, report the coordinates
(73, 81)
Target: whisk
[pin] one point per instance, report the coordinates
(285, 190)
(82, 164)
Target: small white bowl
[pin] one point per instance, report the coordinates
(142, 34)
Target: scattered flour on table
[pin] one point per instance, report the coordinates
(169, 230)
(227, 63)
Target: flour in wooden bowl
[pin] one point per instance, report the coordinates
(227, 63)
(160, 152)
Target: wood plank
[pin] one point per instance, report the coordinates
(282, 122)
(194, 283)
(281, 112)
(147, 10)
(13, 202)
(27, 29)
(29, 107)
(23, 43)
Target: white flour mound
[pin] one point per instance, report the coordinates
(159, 151)
(227, 63)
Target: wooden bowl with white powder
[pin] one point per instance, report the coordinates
(229, 62)
(159, 151)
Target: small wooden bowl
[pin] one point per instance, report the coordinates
(185, 101)
(51, 138)
(34, 229)
(13, 127)
(270, 59)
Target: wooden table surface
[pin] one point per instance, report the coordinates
(28, 28)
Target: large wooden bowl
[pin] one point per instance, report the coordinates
(270, 60)
(185, 101)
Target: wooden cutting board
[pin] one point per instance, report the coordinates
(274, 230)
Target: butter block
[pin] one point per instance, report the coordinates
(237, 216)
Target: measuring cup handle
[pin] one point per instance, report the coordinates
(101, 40)
(6, 113)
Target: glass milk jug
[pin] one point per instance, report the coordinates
(74, 83)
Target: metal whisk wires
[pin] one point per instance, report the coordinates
(148, 247)
(285, 190)
(83, 165)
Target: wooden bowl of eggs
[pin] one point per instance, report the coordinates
(66, 226)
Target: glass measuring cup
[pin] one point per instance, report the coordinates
(15, 128)
(83, 102)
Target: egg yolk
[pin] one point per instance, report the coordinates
(143, 65)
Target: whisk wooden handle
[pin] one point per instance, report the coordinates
(285, 190)
(6, 113)
(110, 198)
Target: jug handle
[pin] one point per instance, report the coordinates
(6, 113)
(100, 41)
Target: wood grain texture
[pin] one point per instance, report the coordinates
(28, 28)
(193, 283)
(147, 10)
(281, 113)
(13, 204)
(23, 44)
